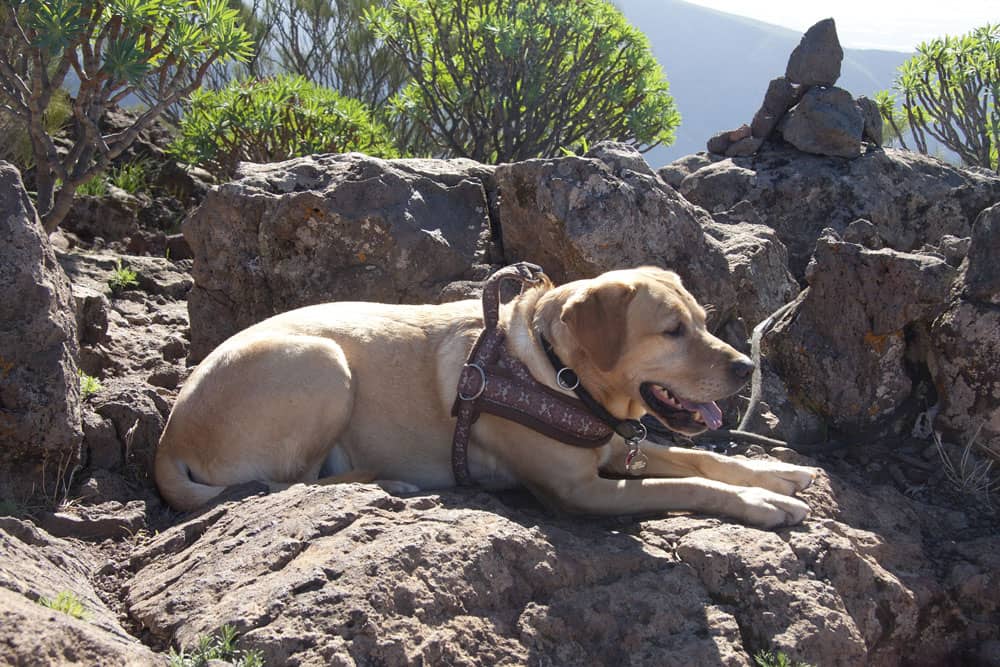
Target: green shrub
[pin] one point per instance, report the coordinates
(16, 147)
(67, 603)
(112, 47)
(274, 119)
(507, 80)
(951, 92)
(219, 646)
(776, 659)
(131, 177)
(89, 385)
(95, 187)
(122, 278)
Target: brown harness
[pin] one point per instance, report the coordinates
(495, 382)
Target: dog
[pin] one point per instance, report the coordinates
(353, 391)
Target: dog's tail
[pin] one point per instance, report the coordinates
(181, 491)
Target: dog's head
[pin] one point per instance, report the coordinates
(640, 335)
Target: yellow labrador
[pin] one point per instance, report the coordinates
(350, 390)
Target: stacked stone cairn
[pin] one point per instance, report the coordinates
(806, 109)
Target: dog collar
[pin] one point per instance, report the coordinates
(632, 430)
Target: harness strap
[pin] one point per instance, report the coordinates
(484, 353)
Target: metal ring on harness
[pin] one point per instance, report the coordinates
(563, 383)
(482, 383)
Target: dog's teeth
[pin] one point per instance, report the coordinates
(697, 416)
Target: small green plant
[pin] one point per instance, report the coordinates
(122, 278)
(95, 187)
(274, 119)
(67, 603)
(776, 659)
(219, 645)
(89, 385)
(131, 177)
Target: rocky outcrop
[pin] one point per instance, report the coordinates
(333, 227)
(966, 344)
(842, 349)
(39, 389)
(579, 217)
(347, 573)
(37, 566)
(911, 199)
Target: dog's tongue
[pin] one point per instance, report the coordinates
(710, 412)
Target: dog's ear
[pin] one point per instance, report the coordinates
(597, 318)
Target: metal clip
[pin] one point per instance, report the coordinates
(635, 460)
(482, 383)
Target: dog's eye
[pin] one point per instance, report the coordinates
(674, 331)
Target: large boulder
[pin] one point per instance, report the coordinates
(758, 262)
(816, 60)
(913, 200)
(966, 343)
(349, 575)
(40, 430)
(578, 217)
(842, 349)
(333, 227)
(826, 121)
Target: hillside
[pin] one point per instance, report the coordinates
(719, 65)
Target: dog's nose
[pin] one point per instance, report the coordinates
(742, 368)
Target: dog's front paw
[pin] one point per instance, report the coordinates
(783, 478)
(767, 509)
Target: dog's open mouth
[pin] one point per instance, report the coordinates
(678, 414)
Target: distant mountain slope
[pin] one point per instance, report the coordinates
(719, 66)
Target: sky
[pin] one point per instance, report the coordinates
(895, 25)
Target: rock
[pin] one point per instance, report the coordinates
(873, 120)
(91, 314)
(112, 216)
(106, 521)
(178, 248)
(39, 387)
(333, 227)
(577, 219)
(619, 157)
(954, 249)
(474, 581)
(982, 276)
(675, 172)
(744, 147)
(911, 199)
(966, 370)
(101, 442)
(816, 60)
(841, 350)
(863, 232)
(139, 415)
(758, 263)
(720, 143)
(826, 121)
(781, 95)
(36, 565)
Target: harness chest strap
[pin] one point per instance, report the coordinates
(493, 381)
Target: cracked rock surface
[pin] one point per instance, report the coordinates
(350, 575)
